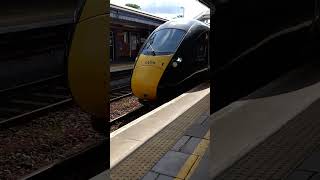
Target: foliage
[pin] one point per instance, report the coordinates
(133, 6)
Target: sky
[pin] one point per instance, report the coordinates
(167, 8)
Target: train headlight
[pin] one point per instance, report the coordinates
(174, 64)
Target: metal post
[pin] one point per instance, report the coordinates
(182, 11)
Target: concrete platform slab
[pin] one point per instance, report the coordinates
(151, 176)
(182, 141)
(202, 118)
(164, 177)
(197, 131)
(171, 163)
(190, 146)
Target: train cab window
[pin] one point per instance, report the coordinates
(202, 47)
(163, 42)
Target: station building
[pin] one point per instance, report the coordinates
(129, 29)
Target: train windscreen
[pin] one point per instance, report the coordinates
(163, 42)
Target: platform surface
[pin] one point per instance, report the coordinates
(114, 67)
(273, 133)
(178, 128)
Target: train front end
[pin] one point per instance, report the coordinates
(154, 58)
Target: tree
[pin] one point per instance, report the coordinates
(133, 6)
(178, 16)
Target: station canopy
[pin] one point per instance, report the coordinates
(130, 15)
(208, 3)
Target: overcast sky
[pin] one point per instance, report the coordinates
(167, 8)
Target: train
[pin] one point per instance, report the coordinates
(174, 53)
(87, 61)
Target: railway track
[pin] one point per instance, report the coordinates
(118, 75)
(120, 85)
(25, 101)
(35, 41)
(120, 92)
(28, 100)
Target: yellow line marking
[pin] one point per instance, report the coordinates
(207, 136)
(186, 167)
(198, 153)
(196, 164)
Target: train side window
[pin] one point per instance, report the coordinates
(202, 47)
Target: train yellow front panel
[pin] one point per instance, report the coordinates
(147, 74)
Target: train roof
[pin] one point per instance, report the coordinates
(184, 24)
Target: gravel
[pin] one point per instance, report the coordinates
(123, 106)
(44, 140)
(50, 138)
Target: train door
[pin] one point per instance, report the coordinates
(201, 51)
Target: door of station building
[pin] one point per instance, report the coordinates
(134, 45)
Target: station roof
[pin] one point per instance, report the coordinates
(203, 15)
(208, 3)
(134, 15)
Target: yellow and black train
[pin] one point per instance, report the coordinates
(88, 65)
(174, 53)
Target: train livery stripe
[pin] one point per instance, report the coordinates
(147, 74)
(88, 65)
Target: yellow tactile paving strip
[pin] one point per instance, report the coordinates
(145, 157)
(199, 150)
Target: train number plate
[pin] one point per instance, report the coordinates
(149, 62)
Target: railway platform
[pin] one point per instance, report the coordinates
(123, 66)
(179, 127)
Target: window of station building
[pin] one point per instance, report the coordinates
(133, 41)
(122, 48)
(125, 37)
(134, 37)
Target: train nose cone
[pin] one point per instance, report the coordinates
(145, 81)
(147, 74)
